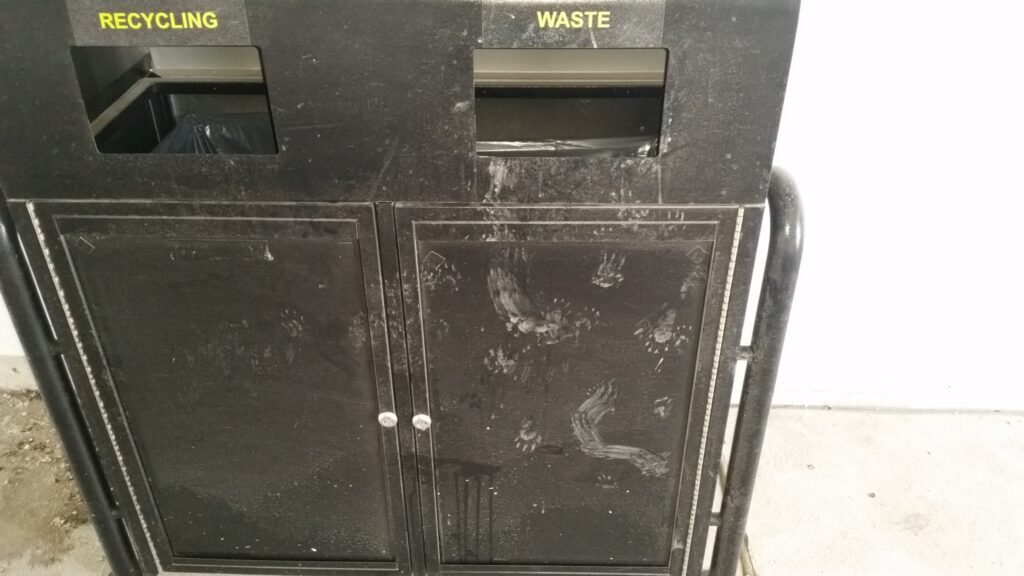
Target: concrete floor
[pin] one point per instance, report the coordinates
(43, 523)
(890, 493)
(840, 493)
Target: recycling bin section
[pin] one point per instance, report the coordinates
(399, 286)
(200, 100)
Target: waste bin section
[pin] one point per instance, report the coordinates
(566, 102)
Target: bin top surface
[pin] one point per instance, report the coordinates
(370, 104)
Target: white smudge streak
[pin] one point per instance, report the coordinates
(528, 437)
(521, 313)
(609, 272)
(267, 255)
(663, 407)
(515, 306)
(522, 316)
(498, 170)
(501, 362)
(437, 271)
(662, 334)
(584, 426)
(697, 276)
(293, 322)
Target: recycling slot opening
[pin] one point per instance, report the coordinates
(175, 100)
(569, 102)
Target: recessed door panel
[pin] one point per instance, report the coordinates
(246, 358)
(556, 351)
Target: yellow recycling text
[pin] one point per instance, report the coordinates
(157, 20)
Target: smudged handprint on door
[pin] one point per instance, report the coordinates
(521, 313)
(609, 272)
(529, 437)
(585, 426)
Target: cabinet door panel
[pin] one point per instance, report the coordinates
(557, 352)
(241, 355)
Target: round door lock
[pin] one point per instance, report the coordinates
(388, 419)
(421, 422)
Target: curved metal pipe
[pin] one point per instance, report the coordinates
(785, 249)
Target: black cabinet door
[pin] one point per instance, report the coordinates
(237, 355)
(566, 358)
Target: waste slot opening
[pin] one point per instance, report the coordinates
(175, 100)
(569, 102)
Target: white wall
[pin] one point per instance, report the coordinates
(904, 127)
(9, 345)
(14, 370)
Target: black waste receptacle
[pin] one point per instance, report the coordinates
(399, 286)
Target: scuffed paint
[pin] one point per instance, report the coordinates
(529, 436)
(584, 425)
(609, 272)
(436, 271)
(522, 315)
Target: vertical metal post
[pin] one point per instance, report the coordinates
(44, 358)
(782, 267)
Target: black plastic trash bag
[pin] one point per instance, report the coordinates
(220, 134)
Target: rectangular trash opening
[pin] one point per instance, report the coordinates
(569, 102)
(186, 100)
